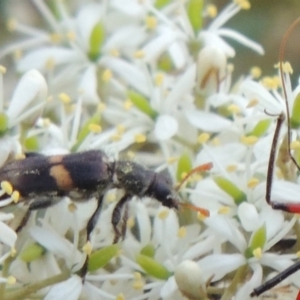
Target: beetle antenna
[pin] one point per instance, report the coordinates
(201, 168)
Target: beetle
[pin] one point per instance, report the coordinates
(42, 181)
(287, 206)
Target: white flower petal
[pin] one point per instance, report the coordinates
(255, 280)
(88, 86)
(56, 244)
(69, 289)
(165, 127)
(129, 73)
(38, 59)
(248, 216)
(87, 18)
(28, 99)
(182, 87)
(144, 223)
(207, 121)
(227, 229)
(217, 266)
(8, 236)
(240, 38)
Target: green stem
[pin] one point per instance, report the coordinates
(24, 292)
(238, 278)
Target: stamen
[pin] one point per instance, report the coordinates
(6, 187)
(87, 248)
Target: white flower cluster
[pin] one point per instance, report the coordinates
(147, 80)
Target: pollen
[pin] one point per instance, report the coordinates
(2, 69)
(111, 197)
(255, 72)
(140, 138)
(203, 138)
(130, 222)
(6, 187)
(252, 183)
(295, 145)
(95, 128)
(55, 38)
(101, 107)
(249, 140)
(107, 75)
(216, 141)
(138, 285)
(159, 79)
(71, 36)
(13, 252)
(233, 108)
(87, 248)
(211, 11)
(114, 52)
(201, 216)
(269, 83)
(11, 280)
(11, 25)
(171, 160)
(231, 168)
(120, 297)
(20, 156)
(72, 207)
(286, 66)
(298, 254)
(181, 232)
(139, 54)
(116, 137)
(50, 63)
(257, 252)
(244, 4)
(163, 214)
(151, 22)
(128, 104)
(15, 196)
(64, 98)
(46, 122)
(18, 54)
(252, 103)
(224, 210)
(137, 276)
(130, 154)
(120, 129)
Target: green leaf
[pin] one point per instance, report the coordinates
(184, 166)
(259, 238)
(295, 115)
(165, 63)
(141, 103)
(148, 250)
(83, 133)
(260, 128)
(32, 252)
(31, 143)
(3, 122)
(194, 11)
(100, 258)
(231, 189)
(96, 40)
(161, 3)
(152, 267)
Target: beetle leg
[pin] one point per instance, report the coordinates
(89, 229)
(116, 217)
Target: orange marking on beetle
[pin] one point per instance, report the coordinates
(62, 177)
(55, 159)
